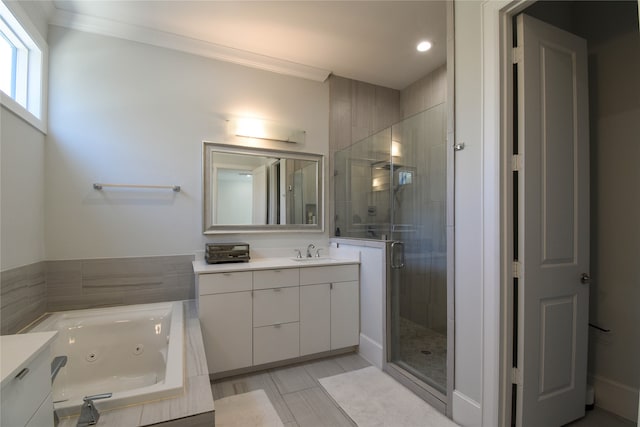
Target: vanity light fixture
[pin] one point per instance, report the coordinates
(423, 46)
(264, 129)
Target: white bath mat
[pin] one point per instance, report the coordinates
(372, 398)
(247, 409)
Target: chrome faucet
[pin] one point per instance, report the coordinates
(89, 415)
(311, 246)
(299, 253)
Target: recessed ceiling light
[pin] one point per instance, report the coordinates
(423, 46)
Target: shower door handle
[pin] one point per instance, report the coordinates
(397, 255)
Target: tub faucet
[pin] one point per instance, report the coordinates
(89, 415)
(311, 246)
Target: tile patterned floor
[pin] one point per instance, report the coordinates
(295, 391)
(300, 400)
(601, 418)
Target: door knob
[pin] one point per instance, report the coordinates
(585, 278)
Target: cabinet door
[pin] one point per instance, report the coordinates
(315, 318)
(226, 330)
(22, 396)
(44, 415)
(345, 315)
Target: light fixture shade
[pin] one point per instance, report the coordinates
(264, 129)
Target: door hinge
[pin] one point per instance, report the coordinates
(516, 162)
(516, 376)
(517, 55)
(516, 269)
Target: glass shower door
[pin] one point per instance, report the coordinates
(418, 291)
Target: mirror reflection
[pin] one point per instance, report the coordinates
(257, 189)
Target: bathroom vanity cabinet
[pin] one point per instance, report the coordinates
(268, 311)
(26, 380)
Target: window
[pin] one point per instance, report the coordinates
(21, 66)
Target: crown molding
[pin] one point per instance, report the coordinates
(107, 27)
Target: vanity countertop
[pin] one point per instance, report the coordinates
(201, 267)
(17, 351)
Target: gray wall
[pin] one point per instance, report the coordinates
(356, 111)
(425, 93)
(614, 91)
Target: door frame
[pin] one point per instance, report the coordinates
(497, 274)
(497, 210)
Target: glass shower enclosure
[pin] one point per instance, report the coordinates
(393, 186)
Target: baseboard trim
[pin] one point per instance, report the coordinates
(371, 351)
(466, 411)
(615, 397)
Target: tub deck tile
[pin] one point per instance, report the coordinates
(193, 408)
(124, 417)
(196, 399)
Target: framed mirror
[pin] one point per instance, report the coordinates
(250, 190)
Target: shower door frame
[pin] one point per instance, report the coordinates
(426, 392)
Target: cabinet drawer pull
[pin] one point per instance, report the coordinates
(226, 274)
(22, 373)
(277, 271)
(277, 290)
(277, 325)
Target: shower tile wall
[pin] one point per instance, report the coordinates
(23, 292)
(420, 209)
(359, 110)
(425, 299)
(425, 93)
(356, 111)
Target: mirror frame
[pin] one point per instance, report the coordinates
(207, 191)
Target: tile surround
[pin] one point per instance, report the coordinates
(80, 284)
(23, 295)
(28, 292)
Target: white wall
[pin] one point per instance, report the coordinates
(468, 217)
(125, 112)
(22, 192)
(22, 174)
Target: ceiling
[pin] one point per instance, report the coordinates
(371, 41)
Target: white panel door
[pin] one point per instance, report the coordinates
(553, 245)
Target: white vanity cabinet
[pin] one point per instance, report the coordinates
(276, 310)
(329, 308)
(276, 315)
(26, 380)
(225, 310)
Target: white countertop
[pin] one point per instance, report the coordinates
(201, 266)
(17, 351)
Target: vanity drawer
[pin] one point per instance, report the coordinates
(279, 342)
(276, 306)
(21, 398)
(329, 274)
(281, 278)
(218, 283)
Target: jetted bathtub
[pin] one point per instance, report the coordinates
(135, 352)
